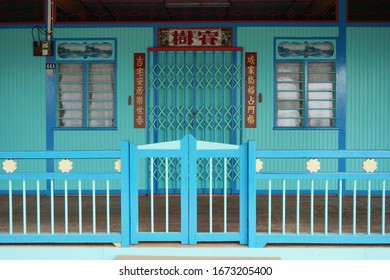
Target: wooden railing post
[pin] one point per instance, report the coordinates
(125, 193)
(192, 189)
(251, 173)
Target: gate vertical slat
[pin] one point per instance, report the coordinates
(108, 206)
(38, 208)
(211, 196)
(269, 206)
(225, 195)
(250, 167)
(24, 208)
(326, 222)
(80, 208)
(354, 208)
(52, 205)
(312, 207)
(284, 207)
(383, 207)
(151, 179)
(66, 206)
(166, 196)
(298, 206)
(10, 207)
(340, 207)
(244, 193)
(93, 207)
(369, 208)
(189, 190)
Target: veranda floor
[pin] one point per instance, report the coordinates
(362, 214)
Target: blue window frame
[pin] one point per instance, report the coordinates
(86, 96)
(305, 94)
(305, 83)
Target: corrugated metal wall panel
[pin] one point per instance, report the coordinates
(368, 83)
(368, 98)
(22, 92)
(261, 40)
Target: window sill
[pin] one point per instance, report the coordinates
(304, 128)
(85, 128)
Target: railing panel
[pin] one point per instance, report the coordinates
(340, 207)
(60, 206)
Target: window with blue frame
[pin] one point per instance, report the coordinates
(86, 94)
(86, 91)
(305, 85)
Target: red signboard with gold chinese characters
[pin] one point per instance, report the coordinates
(195, 37)
(250, 89)
(139, 90)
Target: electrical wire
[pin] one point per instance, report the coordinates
(40, 31)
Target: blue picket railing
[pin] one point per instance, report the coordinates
(27, 189)
(347, 223)
(275, 205)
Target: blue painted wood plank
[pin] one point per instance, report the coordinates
(159, 236)
(60, 238)
(323, 154)
(383, 207)
(189, 196)
(24, 208)
(326, 219)
(166, 195)
(246, 201)
(129, 196)
(10, 209)
(250, 164)
(108, 211)
(125, 193)
(218, 237)
(70, 175)
(52, 206)
(93, 207)
(211, 195)
(330, 238)
(80, 198)
(151, 180)
(38, 208)
(60, 154)
(299, 175)
(66, 206)
(298, 206)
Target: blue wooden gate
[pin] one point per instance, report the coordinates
(194, 159)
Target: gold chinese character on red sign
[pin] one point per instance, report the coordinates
(250, 89)
(139, 90)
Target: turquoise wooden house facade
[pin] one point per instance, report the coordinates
(297, 157)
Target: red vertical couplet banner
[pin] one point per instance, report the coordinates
(139, 90)
(250, 89)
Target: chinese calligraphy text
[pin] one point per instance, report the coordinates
(139, 90)
(250, 89)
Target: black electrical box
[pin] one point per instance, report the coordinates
(43, 48)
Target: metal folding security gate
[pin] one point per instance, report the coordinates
(195, 92)
(199, 93)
